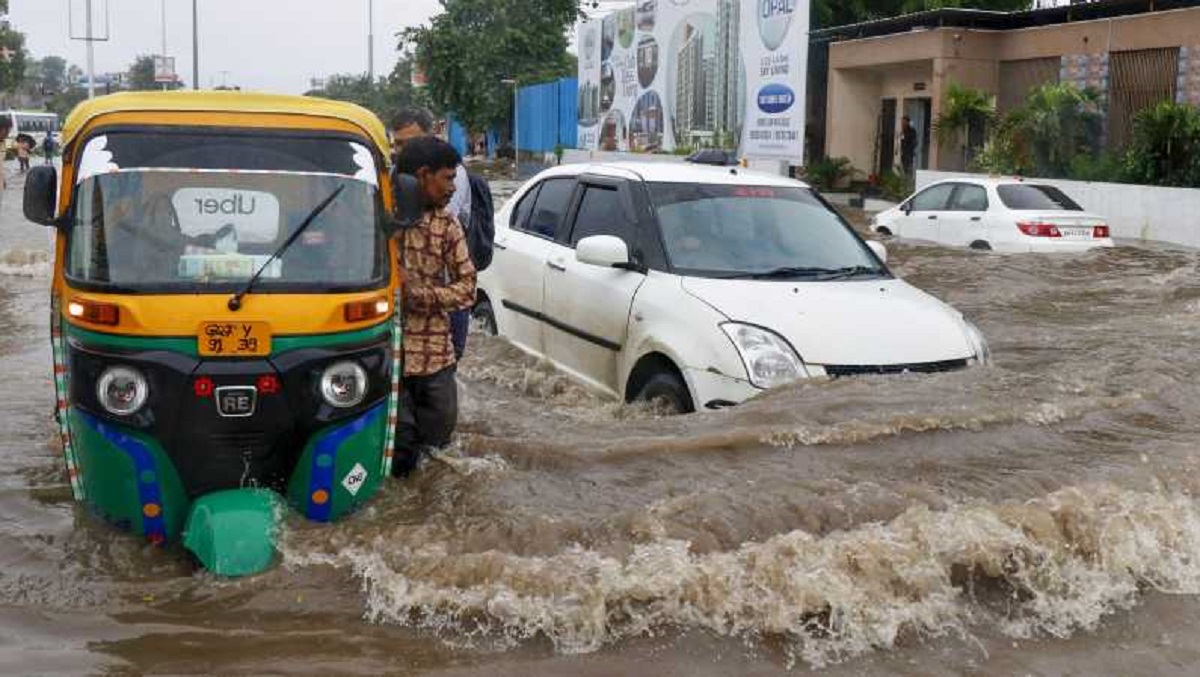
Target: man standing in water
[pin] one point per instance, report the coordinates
(439, 279)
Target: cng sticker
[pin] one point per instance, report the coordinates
(355, 479)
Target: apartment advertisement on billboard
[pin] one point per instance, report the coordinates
(667, 74)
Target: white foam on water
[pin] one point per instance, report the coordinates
(26, 263)
(1052, 566)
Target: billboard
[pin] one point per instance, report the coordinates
(664, 74)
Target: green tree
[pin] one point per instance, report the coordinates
(383, 97)
(1057, 123)
(54, 73)
(1166, 146)
(474, 45)
(12, 52)
(826, 13)
(964, 118)
(141, 75)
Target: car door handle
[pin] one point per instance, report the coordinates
(933, 217)
(556, 266)
(976, 218)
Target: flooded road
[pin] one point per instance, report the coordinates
(1036, 517)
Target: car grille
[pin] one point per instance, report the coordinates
(840, 370)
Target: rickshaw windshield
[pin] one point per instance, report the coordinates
(206, 228)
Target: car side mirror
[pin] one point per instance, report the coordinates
(606, 251)
(879, 249)
(41, 189)
(906, 208)
(409, 204)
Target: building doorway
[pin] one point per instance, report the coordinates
(887, 137)
(919, 112)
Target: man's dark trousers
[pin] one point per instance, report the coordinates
(428, 415)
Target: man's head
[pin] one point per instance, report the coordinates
(905, 121)
(409, 124)
(434, 163)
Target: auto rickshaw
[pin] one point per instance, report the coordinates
(223, 314)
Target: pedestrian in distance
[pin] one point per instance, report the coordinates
(439, 279)
(48, 148)
(23, 151)
(472, 205)
(908, 145)
(5, 130)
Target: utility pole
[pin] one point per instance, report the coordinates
(195, 46)
(164, 36)
(91, 53)
(371, 42)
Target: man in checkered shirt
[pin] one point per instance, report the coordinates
(439, 279)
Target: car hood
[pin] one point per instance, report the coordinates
(852, 322)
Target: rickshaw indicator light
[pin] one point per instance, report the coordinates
(95, 312)
(361, 311)
(344, 385)
(122, 390)
(203, 387)
(268, 384)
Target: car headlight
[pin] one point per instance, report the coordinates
(769, 360)
(979, 343)
(122, 390)
(344, 384)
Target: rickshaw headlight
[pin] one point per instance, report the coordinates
(122, 390)
(344, 384)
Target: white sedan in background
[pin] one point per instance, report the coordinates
(703, 286)
(1007, 215)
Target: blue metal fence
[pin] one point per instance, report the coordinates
(547, 115)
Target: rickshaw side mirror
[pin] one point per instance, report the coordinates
(41, 186)
(409, 203)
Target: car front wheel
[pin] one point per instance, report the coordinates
(667, 390)
(485, 318)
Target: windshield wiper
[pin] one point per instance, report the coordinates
(787, 271)
(850, 271)
(235, 301)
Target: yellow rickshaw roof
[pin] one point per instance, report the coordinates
(224, 102)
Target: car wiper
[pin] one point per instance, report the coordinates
(235, 301)
(788, 271)
(850, 271)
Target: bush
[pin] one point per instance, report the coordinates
(1109, 167)
(894, 186)
(1057, 124)
(1166, 146)
(830, 173)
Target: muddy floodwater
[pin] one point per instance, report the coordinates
(1037, 517)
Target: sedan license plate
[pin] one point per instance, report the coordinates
(1076, 233)
(234, 339)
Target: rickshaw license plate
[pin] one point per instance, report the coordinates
(234, 339)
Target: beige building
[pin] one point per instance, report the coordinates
(1134, 52)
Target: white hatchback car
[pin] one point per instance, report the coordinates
(1007, 215)
(703, 286)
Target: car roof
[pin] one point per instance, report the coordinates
(990, 181)
(675, 172)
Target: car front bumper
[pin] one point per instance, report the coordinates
(713, 390)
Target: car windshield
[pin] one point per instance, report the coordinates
(756, 231)
(206, 224)
(1027, 196)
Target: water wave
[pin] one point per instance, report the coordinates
(1051, 566)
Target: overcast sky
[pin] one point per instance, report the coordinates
(267, 45)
